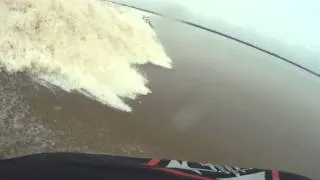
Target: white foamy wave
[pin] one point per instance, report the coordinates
(83, 45)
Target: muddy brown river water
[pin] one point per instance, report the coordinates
(223, 102)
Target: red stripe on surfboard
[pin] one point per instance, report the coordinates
(275, 175)
(153, 162)
(181, 173)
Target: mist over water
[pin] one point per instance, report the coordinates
(83, 45)
(20, 132)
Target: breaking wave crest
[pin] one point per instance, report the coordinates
(84, 45)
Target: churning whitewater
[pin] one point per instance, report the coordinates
(85, 45)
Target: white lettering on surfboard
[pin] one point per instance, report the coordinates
(206, 167)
